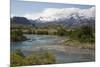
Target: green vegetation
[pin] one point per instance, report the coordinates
(83, 37)
(75, 36)
(83, 34)
(50, 30)
(17, 35)
(18, 59)
(61, 31)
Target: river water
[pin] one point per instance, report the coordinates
(63, 54)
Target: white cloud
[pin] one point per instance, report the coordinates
(51, 14)
(31, 16)
(88, 12)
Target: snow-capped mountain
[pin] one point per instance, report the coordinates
(72, 21)
(71, 17)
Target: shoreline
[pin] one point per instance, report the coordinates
(76, 44)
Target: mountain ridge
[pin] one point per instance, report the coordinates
(73, 21)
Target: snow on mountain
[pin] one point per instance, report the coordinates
(56, 14)
(66, 17)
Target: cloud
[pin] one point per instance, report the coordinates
(51, 14)
(31, 16)
(88, 12)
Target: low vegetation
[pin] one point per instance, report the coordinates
(83, 34)
(18, 59)
(83, 37)
(17, 35)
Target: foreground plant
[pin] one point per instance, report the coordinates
(17, 58)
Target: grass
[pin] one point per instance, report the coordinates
(45, 57)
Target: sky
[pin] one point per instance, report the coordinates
(91, 2)
(32, 9)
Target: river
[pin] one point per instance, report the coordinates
(63, 54)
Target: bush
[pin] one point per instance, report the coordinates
(18, 59)
(40, 58)
(17, 35)
(83, 34)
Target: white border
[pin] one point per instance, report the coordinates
(4, 33)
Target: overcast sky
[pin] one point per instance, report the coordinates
(31, 9)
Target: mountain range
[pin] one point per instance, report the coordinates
(72, 21)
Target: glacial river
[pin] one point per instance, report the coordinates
(53, 44)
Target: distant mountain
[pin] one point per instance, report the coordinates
(71, 22)
(69, 17)
(20, 20)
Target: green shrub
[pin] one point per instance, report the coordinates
(17, 35)
(83, 34)
(18, 59)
